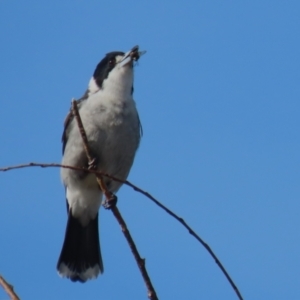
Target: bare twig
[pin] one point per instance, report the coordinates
(9, 289)
(87, 149)
(193, 233)
(137, 189)
(114, 209)
(82, 131)
(140, 261)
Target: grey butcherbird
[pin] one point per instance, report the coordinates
(113, 129)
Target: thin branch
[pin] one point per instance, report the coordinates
(86, 145)
(88, 151)
(109, 197)
(139, 190)
(194, 234)
(140, 261)
(9, 289)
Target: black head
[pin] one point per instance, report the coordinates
(105, 66)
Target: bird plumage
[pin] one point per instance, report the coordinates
(112, 126)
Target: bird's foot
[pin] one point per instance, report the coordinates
(110, 202)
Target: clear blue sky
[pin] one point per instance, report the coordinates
(218, 95)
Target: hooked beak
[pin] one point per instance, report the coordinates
(132, 55)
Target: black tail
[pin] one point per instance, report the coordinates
(80, 257)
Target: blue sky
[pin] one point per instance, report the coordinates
(218, 96)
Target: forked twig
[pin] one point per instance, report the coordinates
(149, 196)
(140, 262)
(108, 194)
(9, 289)
(87, 149)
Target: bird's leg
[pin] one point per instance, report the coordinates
(110, 201)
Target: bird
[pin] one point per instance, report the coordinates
(113, 129)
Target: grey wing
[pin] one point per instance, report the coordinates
(141, 128)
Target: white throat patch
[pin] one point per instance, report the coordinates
(93, 87)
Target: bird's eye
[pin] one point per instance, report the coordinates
(112, 62)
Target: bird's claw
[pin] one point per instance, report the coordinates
(110, 202)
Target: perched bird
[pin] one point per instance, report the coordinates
(113, 130)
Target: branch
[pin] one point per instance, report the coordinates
(149, 196)
(88, 151)
(9, 289)
(110, 197)
(139, 190)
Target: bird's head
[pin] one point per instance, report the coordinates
(115, 71)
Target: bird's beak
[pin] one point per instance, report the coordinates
(132, 55)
